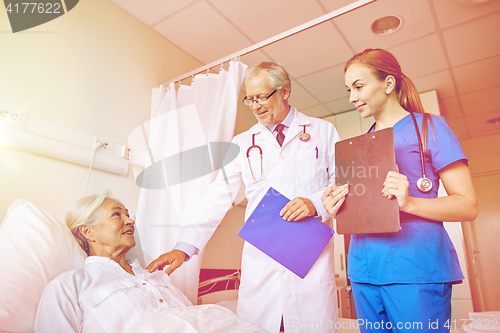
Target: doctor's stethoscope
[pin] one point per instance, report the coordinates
(303, 137)
(424, 184)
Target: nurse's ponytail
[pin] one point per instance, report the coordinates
(383, 63)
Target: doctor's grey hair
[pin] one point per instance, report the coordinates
(278, 76)
(85, 211)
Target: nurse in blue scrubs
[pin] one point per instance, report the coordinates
(402, 281)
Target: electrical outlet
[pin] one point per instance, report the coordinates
(126, 152)
(101, 144)
(9, 117)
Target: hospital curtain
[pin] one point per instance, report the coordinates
(182, 120)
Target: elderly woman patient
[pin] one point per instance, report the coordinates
(108, 294)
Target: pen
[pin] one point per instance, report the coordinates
(316, 152)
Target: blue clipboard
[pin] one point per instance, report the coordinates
(295, 245)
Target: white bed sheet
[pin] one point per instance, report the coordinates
(207, 318)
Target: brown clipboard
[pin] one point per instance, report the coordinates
(363, 162)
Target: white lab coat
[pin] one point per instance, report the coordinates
(269, 291)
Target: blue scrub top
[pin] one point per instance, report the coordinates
(422, 251)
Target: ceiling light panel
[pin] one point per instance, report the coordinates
(327, 85)
(309, 50)
(458, 126)
(453, 12)
(340, 105)
(439, 81)
(479, 123)
(465, 45)
(254, 57)
(262, 19)
(477, 75)
(481, 101)
(217, 39)
(300, 97)
(152, 11)
(416, 64)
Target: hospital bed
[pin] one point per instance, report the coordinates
(221, 290)
(35, 247)
(227, 296)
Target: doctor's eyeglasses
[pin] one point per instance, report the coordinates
(258, 100)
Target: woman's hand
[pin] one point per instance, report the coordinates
(396, 185)
(459, 205)
(334, 197)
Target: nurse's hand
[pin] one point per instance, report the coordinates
(174, 258)
(297, 209)
(396, 186)
(334, 197)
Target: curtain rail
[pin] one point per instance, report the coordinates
(272, 40)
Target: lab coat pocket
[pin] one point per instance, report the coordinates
(308, 154)
(311, 169)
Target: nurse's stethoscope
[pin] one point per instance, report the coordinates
(303, 137)
(424, 184)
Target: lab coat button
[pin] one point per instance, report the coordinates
(144, 283)
(161, 301)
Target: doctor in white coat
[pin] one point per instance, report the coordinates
(300, 168)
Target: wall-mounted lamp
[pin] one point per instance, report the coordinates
(39, 135)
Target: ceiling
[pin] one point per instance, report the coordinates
(451, 46)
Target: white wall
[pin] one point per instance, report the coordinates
(223, 251)
(92, 68)
(484, 162)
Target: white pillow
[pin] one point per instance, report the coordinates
(34, 248)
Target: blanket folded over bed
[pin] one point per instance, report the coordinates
(208, 318)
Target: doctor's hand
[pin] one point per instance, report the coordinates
(396, 186)
(297, 209)
(174, 258)
(334, 197)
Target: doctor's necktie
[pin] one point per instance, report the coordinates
(280, 136)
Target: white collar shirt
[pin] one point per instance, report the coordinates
(287, 122)
(102, 297)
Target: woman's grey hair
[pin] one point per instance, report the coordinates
(85, 211)
(278, 76)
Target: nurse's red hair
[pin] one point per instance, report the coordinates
(383, 63)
